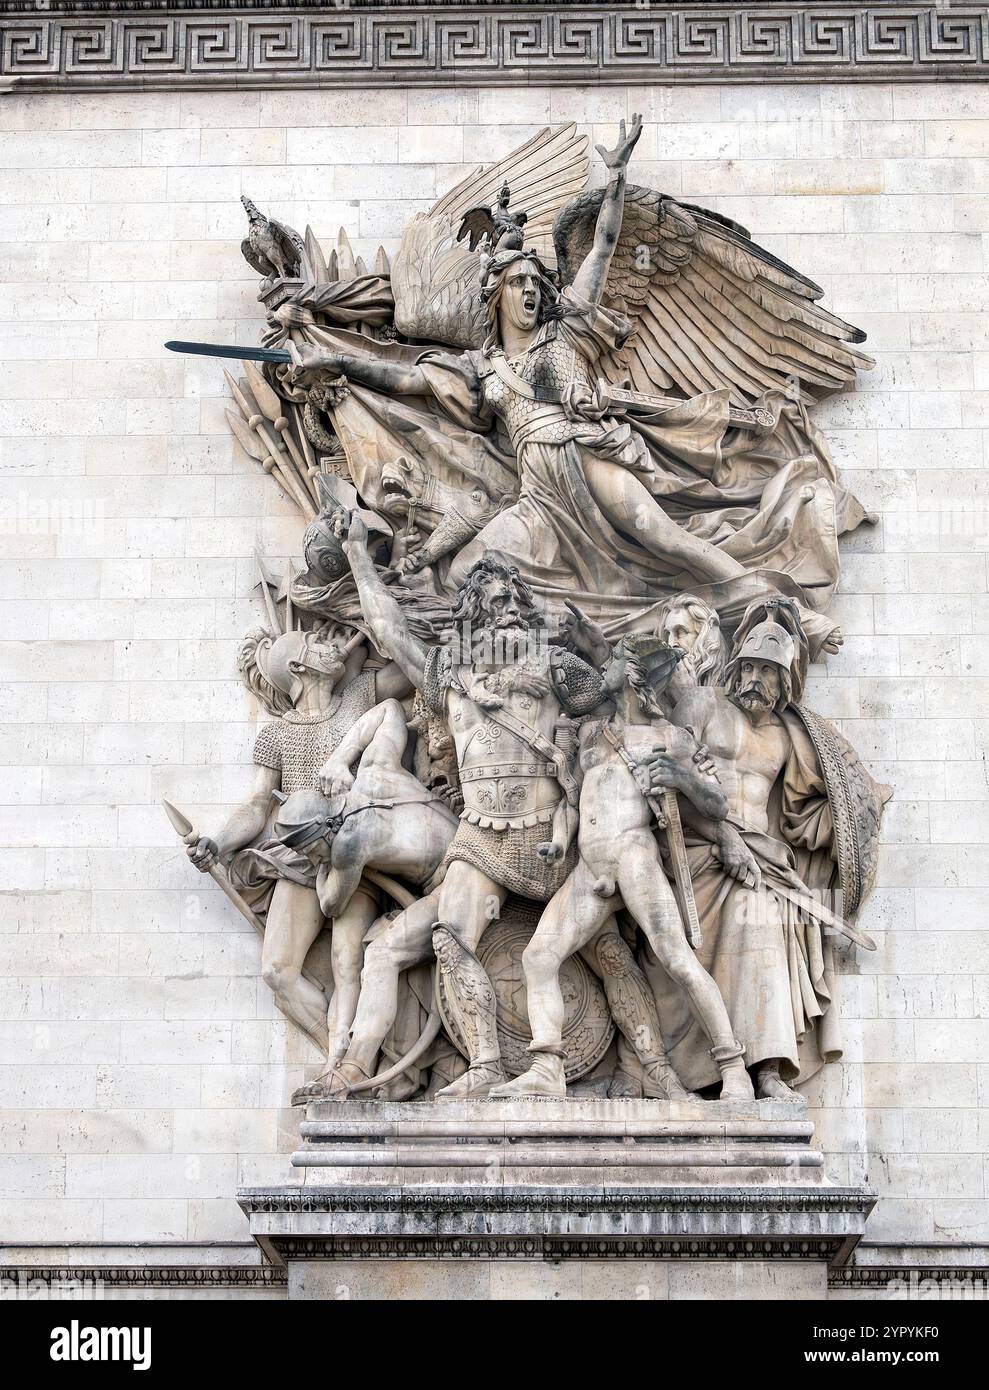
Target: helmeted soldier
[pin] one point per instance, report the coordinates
(314, 683)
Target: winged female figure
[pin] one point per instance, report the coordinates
(624, 497)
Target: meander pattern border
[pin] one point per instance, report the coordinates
(54, 45)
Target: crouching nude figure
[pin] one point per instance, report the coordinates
(619, 862)
(381, 818)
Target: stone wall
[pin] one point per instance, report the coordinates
(143, 1070)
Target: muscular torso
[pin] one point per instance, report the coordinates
(749, 756)
(612, 808)
(505, 784)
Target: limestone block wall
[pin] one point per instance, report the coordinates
(143, 1070)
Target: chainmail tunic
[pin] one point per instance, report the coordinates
(551, 363)
(509, 857)
(299, 744)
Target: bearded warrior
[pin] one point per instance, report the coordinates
(504, 691)
(777, 879)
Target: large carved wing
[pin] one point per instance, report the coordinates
(711, 308)
(435, 278)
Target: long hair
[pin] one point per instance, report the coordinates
(470, 607)
(649, 664)
(707, 658)
(260, 639)
(494, 287)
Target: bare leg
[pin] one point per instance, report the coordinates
(294, 921)
(649, 898)
(630, 507)
(405, 943)
(347, 957)
(573, 916)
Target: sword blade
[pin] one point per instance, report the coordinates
(242, 354)
(681, 866)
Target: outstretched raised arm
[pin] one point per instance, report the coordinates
(381, 611)
(592, 277)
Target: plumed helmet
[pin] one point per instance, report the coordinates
(768, 642)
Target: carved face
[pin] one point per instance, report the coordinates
(318, 852)
(679, 629)
(758, 685)
(521, 296)
(499, 601)
(317, 659)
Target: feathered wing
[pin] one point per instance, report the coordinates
(711, 308)
(435, 277)
(290, 242)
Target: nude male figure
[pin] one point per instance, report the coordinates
(620, 862)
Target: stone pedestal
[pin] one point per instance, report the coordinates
(568, 1199)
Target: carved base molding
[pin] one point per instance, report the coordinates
(254, 43)
(663, 1224)
(569, 1182)
(901, 1280)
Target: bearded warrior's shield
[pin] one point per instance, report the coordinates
(856, 800)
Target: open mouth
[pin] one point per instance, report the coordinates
(529, 303)
(393, 485)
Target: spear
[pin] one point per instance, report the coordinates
(182, 825)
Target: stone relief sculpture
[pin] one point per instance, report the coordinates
(540, 808)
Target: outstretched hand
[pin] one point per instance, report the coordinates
(308, 360)
(618, 158)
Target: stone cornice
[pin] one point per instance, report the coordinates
(53, 45)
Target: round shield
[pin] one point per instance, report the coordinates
(588, 1026)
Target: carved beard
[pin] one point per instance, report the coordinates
(754, 696)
